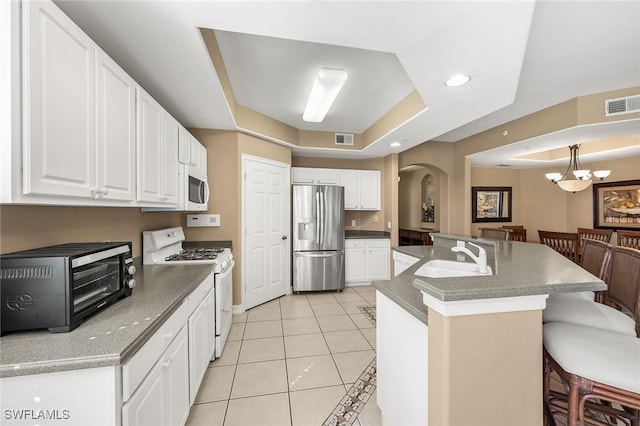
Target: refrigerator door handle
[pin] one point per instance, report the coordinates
(317, 218)
(330, 254)
(322, 211)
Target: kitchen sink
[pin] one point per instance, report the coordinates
(450, 268)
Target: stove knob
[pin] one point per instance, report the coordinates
(131, 283)
(130, 269)
(174, 233)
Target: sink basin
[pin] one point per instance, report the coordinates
(450, 268)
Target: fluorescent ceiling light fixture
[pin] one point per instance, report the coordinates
(326, 87)
(457, 80)
(395, 144)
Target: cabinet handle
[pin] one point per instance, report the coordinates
(96, 193)
(167, 363)
(169, 335)
(104, 191)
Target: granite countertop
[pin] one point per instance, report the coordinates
(109, 337)
(352, 234)
(520, 269)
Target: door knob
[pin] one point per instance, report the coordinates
(284, 237)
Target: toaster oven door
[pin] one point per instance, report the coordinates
(96, 281)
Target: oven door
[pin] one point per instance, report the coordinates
(224, 305)
(196, 193)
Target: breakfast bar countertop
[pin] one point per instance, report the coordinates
(109, 337)
(520, 269)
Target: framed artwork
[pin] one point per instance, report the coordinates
(491, 204)
(616, 205)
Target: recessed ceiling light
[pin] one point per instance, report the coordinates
(326, 87)
(395, 144)
(457, 80)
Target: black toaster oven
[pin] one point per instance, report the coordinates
(57, 287)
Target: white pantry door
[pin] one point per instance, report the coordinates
(266, 254)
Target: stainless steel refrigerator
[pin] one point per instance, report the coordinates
(318, 237)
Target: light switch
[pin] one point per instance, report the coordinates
(353, 222)
(375, 218)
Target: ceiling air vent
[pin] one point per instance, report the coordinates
(625, 105)
(344, 139)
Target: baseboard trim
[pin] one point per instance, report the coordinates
(237, 309)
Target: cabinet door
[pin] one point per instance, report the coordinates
(327, 177)
(354, 264)
(116, 135)
(149, 141)
(378, 263)
(59, 100)
(201, 334)
(175, 380)
(369, 189)
(145, 406)
(184, 146)
(169, 169)
(304, 175)
(351, 182)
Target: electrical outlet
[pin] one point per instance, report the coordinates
(388, 224)
(353, 222)
(375, 218)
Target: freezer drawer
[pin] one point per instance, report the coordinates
(313, 271)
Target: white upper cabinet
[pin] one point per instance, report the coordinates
(184, 146)
(198, 163)
(361, 189)
(116, 131)
(157, 142)
(315, 176)
(369, 189)
(59, 104)
(169, 164)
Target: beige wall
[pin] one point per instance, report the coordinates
(410, 198)
(538, 204)
(27, 227)
(452, 159)
(224, 155)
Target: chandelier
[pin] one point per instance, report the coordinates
(579, 179)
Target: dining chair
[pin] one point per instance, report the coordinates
(623, 290)
(518, 234)
(495, 233)
(598, 367)
(565, 243)
(595, 234)
(629, 239)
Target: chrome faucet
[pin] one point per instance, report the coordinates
(480, 259)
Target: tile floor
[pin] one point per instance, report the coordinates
(291, 361)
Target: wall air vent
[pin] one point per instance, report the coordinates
(626, 105)
(344, 139)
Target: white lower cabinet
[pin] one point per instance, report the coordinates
(162, 398)
(367, 260)
(201, 342)
(402, 364)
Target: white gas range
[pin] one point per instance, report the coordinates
(165, 247)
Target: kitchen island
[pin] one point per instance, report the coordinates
(471, 347)
(97, 373)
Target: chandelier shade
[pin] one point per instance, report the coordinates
(576, 178)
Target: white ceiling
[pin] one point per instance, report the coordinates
(523, 56)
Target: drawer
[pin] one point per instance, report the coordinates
(354, 243)
(379, 243)
(136, 369)
(200, 292)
